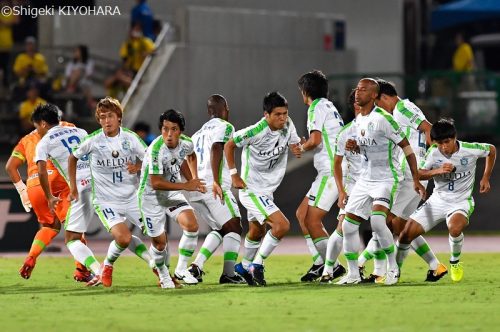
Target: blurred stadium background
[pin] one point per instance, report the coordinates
(243, 49)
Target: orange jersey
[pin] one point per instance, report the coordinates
(26, 150)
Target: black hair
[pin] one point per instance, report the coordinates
(272, 100)
(444, 128)
(142, 126)
(48, 113)
(84, 52)
(386, 88)
(172, 116)
(314, 84)
(216, 98)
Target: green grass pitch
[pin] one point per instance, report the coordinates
(52, 301)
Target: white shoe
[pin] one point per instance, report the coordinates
(166, 282)
(347, 280)
(185, 276)
(392, 277)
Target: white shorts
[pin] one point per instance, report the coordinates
(323, 193)
(406, 200)
(80, 213)
(435, 210)
(154, 211)
(113, 213)
(365, 194)
(259, 206)
(213, 211)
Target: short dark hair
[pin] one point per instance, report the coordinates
(386, 88)
(217, 98)
(444, 128)
(272, 100)
(48, 113)
(172, 116)
(142, 126)
(314, 84)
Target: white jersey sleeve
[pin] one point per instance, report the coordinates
(246, 136)
(391, 128)
(138, 145)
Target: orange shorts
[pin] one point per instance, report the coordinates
(40, 205)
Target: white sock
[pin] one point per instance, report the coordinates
(422, 249)
(317, 259)
(84, 255)
(333, 249)
(402, 252)
(367, 254)
(384, 237)
(211, 243)
(166, 255)
(321, 244)
(231, 244)
(268, 244)
(139, 248)
(159, 259)
(456, 244)
(251, 248)
(350, 229)
(114, 251)
(380, 258)
(187, 246)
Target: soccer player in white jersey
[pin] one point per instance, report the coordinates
(347, 168)
(55, 145)
(218, 205)
(115, 155)
(159, 194)
(377, 134)
(417, 130)
(264, 158)
(323, 124)
(452, 165)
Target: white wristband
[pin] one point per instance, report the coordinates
(20, 186)
(233, 171)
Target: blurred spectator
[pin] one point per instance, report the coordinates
(144, 131)
(30, 63)
(78, 74)
(463, 58)
(28, 106)
(133, 53)
(142, 14)
(6, 41)
(78, 70)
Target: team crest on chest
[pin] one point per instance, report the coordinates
(464, 161)
(371, 126)
(126, 145)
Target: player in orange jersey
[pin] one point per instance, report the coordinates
(33, 197)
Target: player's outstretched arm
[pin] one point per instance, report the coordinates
(44, 182)
(72, 160)
(237, 181)
(12, 169)
(193, 164)
(159, 183)
(216, 155)
(412, 163)
(484, 185)
(338, 176)
(186, 171)
(312, 142)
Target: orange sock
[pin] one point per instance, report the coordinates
(80, 266)
(42, 239)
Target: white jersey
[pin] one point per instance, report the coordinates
(109, 157)
(160, 160)
(377, 135)
(409, 117)
(214, 131)
(324, 117)
(352, 170)
(459, 184)
(264, 155)
(57, 145)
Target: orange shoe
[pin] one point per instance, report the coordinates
(107, 275)
(27, 268)
(82, 275)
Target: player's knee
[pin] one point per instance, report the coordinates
(281, 228)
(300, 214)
(410, 232)
(232, 226)
(192, 226)
(123, 240)
(455, 230)
(160, 246)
